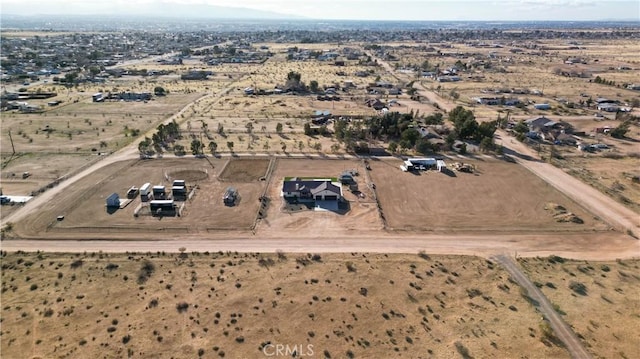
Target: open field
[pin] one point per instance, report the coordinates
(609, 175)
(85, 212)
(600, 300)
(236, 305)
(499, 196)
(85, 126)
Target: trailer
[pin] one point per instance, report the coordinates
(159, 192)
(145, 192)
(162, 207)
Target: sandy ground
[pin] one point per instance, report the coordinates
(605, 315)
(365, 305)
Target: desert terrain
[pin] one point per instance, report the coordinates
(233, 305)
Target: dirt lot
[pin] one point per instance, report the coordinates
(498, 196)
(612, 176)
(235, 305)
(84, 126)
(85, 212)
(361, 217)
(600, 300)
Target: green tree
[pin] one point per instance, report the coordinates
(521, 127)
(621, 130)
(196, 147)
(213, 147)
(279, 128)
(410, 135)
(313, 86)
(178, 150)
(307, 129)
(423, 146)
(393, 147)
(434, 119)
(159, 91)
(230, 145)
(249, 127)
(463, 149)
(486, 144)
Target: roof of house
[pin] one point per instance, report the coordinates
(310, 185)
(539, 122)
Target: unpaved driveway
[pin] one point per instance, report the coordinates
(559, 326)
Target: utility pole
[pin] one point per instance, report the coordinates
(12, 147)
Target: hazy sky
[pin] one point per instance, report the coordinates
(365, 9)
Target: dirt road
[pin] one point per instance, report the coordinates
(559, 326)
(602, 246)
(612, 212)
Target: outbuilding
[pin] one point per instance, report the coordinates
(113, 200)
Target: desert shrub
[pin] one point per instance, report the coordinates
(33, 287)
(578, 287)
(351, 267)
(153, 303)
(48, 312)
(462, 350)
(76, 264)
(474, 292)
(126, 339)
(182, 307)
(146, 271)
(423, 255)
(111, 266)
(266, 262)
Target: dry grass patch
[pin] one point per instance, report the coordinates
(600, 300)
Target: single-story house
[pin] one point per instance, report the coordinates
(608, 107)
(311, 190)
(540, 123)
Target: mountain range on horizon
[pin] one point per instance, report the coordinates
(154, 9)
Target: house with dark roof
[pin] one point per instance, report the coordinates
(321, 193)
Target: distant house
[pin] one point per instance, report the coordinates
(608, 107)
(98, 97)
(542, 106)
(376, 104)
(322, 193)
(540, 123)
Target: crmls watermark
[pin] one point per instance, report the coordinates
(286, 350)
